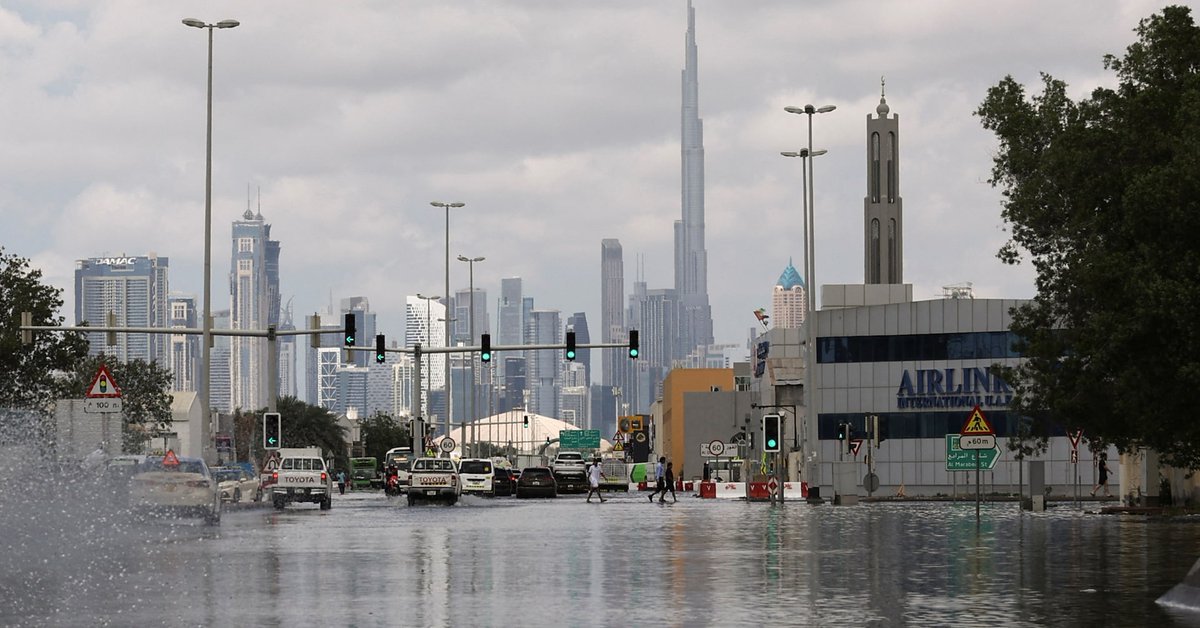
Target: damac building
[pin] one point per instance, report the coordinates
(134, 289)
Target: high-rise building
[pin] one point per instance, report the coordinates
(320, 365)
(425, 324)
(577, 322)
(510, 325)
(882, 207)
(183, 354)
(543, 365)
(612, 308)
(327, 363)
(691, 257)
(788, 299)
(221, 373)
(288, 352)
(364, 325)
(463, 318)
(254, 304)
(132, 288)
(402, 378)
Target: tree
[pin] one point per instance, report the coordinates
(305, 425)
(31, 370)
(381, 432)
(1103, 196)
(145, 394)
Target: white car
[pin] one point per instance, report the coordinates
(234, 484)
(476, 475)
(185, 488)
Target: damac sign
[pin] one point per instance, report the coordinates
(114, 261)
(952, 388)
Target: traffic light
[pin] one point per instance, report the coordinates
(485, 349)
(841, 433)
(380, 354)
(350, 331)
(526, 420)
(771, 436)
(570, 345)
(272, 431)
(633, 343)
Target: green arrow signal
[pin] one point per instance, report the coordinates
(271, 440)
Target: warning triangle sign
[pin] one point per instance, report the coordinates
(103, 385)
(170, 460)
(976, 425)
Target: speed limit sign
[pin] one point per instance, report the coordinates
(716, 448)
(447, 444)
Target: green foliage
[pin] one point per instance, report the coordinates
(31, 370)
(145, 394)
(381, 433)
(303, 425)
(1103, 197)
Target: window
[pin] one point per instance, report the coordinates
(476, 466)
(874, 175)
(891, 171)
(245, 265)
(873, 261)
(917, 347)
(893, 256)
(245, 245)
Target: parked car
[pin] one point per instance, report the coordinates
(234, 483)
(180, 489)
(476, 475)
(536, 482)
(504, 483)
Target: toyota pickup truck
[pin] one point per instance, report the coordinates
(433, 479)
(570, 472)
(301, 477)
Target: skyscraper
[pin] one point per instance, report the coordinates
(254, 304)
(612, 307)
(132, 288)
(424, 324)
(882, 208)
(691, 258)
(183, 353)
(542, 366)
(788, 299)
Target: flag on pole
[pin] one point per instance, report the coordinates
(761, 315)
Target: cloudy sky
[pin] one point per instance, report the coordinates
(556, 121)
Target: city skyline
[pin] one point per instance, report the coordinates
(537, 174)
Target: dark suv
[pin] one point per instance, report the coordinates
(503, 483)
(536, 482)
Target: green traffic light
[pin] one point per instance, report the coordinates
(485, 357)
(570, 355)
(633, 353)
(771, 443)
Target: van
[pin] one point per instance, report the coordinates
(476, 475)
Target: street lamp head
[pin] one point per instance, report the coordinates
(194, 23)
(793, 109)
(446, 205)
(804, 152)
(826, 108)
(790, 153)
(464, 258)
(227, 23)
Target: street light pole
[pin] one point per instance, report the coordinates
(206, 336)
(428, 364)
(471, 330)
(809, 271)
(447, 207)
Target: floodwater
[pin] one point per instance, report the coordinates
(562, 562)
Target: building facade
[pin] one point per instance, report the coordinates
(183, 351)
(789, 299)
(254, 304)
(135, 290)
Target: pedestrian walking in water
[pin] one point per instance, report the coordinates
(341, 482)
(1102, 461)
(660, 478)
(669, 481)
(594, 475)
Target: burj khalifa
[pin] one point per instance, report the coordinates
(691, 259)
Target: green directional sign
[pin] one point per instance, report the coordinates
(579, 439)
(959, 459)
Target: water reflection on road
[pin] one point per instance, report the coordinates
(374, 561)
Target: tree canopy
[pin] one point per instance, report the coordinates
(381, 432)
(304, 425)
(32, 370)
(1103, 198)
(145, 393)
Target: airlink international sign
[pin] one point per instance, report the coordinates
(952, 388)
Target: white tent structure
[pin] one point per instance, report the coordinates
(508, 428)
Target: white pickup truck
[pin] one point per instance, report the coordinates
(570, 472)
(433, 479)
(301, 477)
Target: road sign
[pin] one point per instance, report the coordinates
(640, 437)
(985, 441)
(102, 405)
(625, 424)
(619, 446)
(1075, 438)
(618, 438)
(170, 460)
(773, 485)
(716, 448)
(871, 482)
(103, 385)
(579, 439)
(976, 424)
(447, 444)
(855, 445)
(959, 459)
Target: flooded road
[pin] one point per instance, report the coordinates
(374, 561)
